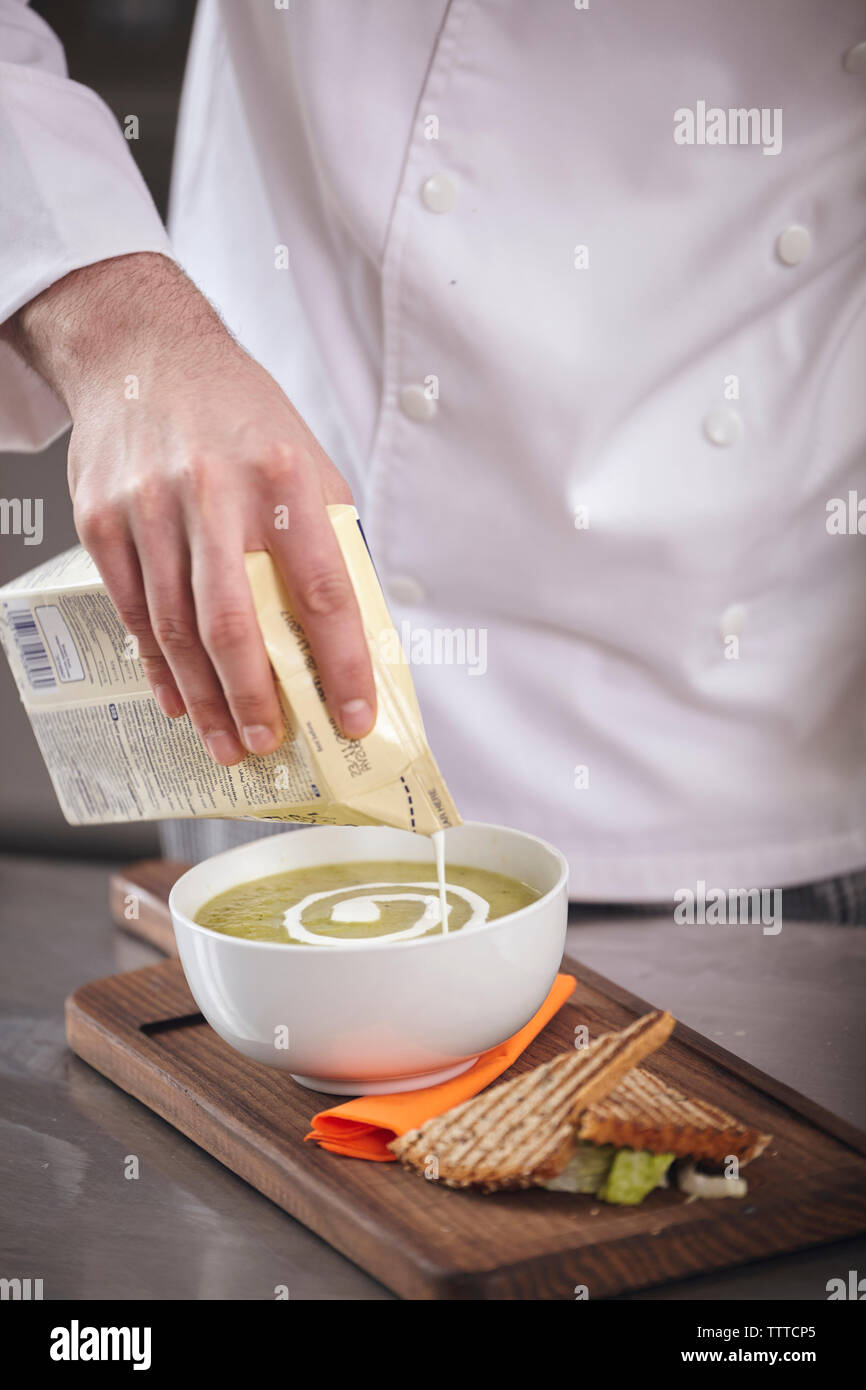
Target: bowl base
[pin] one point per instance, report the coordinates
(382, 1088)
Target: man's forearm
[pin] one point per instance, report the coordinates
(104, 317)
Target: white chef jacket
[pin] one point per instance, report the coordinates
(649, 358)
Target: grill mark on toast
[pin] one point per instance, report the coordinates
(643, 1111)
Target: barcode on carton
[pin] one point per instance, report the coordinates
(30, 647)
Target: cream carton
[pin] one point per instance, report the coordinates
(113, 756)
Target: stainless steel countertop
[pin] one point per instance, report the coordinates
(188, 1228)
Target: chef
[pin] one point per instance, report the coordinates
(571, 299)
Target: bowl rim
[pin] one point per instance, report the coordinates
(380, 943)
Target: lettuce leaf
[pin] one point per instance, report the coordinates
(633, 1173)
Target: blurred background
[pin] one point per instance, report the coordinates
(132, 52)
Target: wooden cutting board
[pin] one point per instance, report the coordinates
(142, 1030)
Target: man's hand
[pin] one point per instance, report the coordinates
(172, 487)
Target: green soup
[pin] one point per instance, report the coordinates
(346, 902)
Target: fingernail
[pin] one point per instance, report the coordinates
(356, 718)
(169, 701)
(260, 739)
(223, 748)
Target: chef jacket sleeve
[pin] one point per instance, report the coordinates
(70, 195)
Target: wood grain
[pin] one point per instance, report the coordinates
(138, 899)
(424, 1241)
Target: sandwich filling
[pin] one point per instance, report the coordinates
(622, 1177)
(625, 1176)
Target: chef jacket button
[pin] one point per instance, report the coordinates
(855, 59)
(732, 620)
(793, 245)
(439, 193)
(415, 402)
(402, 588)
(723, 427)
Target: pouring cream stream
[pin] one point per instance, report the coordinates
(438, 838)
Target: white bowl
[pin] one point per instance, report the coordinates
(386, 1017)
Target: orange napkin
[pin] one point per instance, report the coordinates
(364, 1127)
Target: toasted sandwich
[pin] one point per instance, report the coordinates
(589, 1121)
